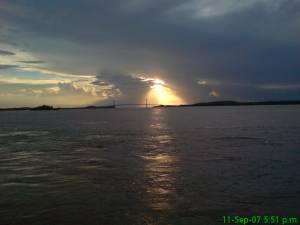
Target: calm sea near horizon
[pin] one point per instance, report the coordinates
(160, 166)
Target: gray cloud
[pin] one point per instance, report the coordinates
(32, 61)
(3, 66)
(4, 52)
(131, 88)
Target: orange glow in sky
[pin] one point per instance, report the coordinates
(161, 94)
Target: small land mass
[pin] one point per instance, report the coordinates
(42, 108)
(49, 108)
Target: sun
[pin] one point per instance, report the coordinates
(161, 94)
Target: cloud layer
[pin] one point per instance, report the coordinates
(203, 49)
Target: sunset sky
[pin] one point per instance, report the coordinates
(84, 52)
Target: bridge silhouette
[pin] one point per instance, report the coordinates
(146, 104)
(114, 105)
(135, 104)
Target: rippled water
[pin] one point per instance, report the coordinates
(148, 166)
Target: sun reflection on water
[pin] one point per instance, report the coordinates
(159, 168)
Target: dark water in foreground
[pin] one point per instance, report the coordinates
(148, 166)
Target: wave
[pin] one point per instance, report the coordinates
(25, 133)
(97, 136)
(239, 138)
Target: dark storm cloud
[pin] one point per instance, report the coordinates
(246, 43)
(32, 61)
(132, 88)
(3, 52)
(3, 66)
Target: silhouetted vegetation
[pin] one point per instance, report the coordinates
(43, 107)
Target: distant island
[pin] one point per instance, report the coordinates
(43, 107)
(48, 108)
(200, 104)
(234, 103)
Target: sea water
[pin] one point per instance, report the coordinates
(148, 166)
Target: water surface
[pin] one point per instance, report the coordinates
(148, 166)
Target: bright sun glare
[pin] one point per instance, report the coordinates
(161, 94)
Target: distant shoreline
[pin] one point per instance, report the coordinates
(200, 104)
(234, 103)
